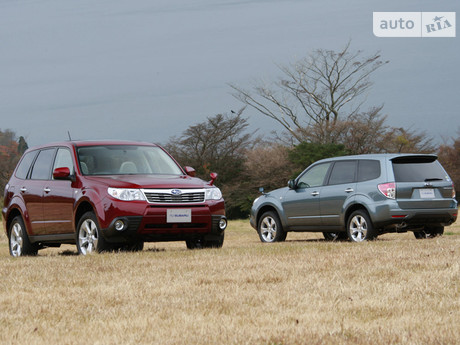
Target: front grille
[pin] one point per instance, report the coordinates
(167, 197)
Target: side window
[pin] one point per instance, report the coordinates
(63, 160)
(343, 172)
(24, 166)
(42, 167)
(314, 177)
(368, 170)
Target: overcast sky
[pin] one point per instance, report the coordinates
(146, 70)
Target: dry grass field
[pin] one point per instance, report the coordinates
(395, 290)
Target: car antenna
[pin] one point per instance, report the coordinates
(68, 133)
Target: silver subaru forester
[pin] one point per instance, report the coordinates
(360, 197)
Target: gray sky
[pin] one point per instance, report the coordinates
(146, 70)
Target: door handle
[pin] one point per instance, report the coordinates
(23, 189)
(46, 190)
(349, 190)
(315, 193)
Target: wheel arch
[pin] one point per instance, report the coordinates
(13, 213)
(352, 208)
(267, 208)
(83, 207)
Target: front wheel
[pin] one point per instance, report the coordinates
(270, 229)
(216, 241)
(89, 237)
(360, 227)
(429, 232)
(18, 239)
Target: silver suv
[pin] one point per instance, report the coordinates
(359, 198)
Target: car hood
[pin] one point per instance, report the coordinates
(149, 181)
(277, 193)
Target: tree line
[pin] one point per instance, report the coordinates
(319, 103)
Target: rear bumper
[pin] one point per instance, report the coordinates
(415, 218)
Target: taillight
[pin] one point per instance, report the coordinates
(453, 191)
(388, 189)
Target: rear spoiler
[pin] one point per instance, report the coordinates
(414, 159)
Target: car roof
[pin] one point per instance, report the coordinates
(378, 156)
(79, 143)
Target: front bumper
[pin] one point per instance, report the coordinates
(149, 223)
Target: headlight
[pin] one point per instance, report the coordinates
(213, 193)
(126, 194)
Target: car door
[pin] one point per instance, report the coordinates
(340, 186)
(301, 204)
(33, 190)
(58, 200)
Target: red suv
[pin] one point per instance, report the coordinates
(108, 195)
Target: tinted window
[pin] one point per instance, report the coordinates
(24, 166)
(42, 167)
(314, 177)
(418, 172)
(343, 172)
(63, 160)
(368, 170)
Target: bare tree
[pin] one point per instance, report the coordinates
(318, 90)
(449, 156)
(217, 144)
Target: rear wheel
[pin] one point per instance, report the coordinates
(270, 229)
(429, 232)
(18, 239)
(89, 237)
(335, 236)
(359, 227)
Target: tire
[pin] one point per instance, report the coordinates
(360, 227)
(202, 243)
(335, 236)
(132, 247)
(89, 237)
(270, 229)
(18, 239)
(429, 232)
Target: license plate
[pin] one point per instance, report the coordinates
(181, 215)
(427, 193)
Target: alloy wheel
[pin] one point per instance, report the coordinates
(358, 228)
(16, 240)
(88, 237)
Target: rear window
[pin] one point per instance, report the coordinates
(368, 170)
(42, 166)
(343, 172)
(24, 166)
(418, 171)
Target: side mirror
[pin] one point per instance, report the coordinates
(213, 178)
(62, 174)
(291, 184)
(190, 171)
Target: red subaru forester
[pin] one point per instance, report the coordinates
(108, 195)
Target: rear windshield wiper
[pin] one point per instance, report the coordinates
(433, 179)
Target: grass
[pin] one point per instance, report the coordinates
(395, 290)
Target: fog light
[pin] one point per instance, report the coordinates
(222, 224)
(119, 225)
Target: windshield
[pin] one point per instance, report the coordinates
(126, 160)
